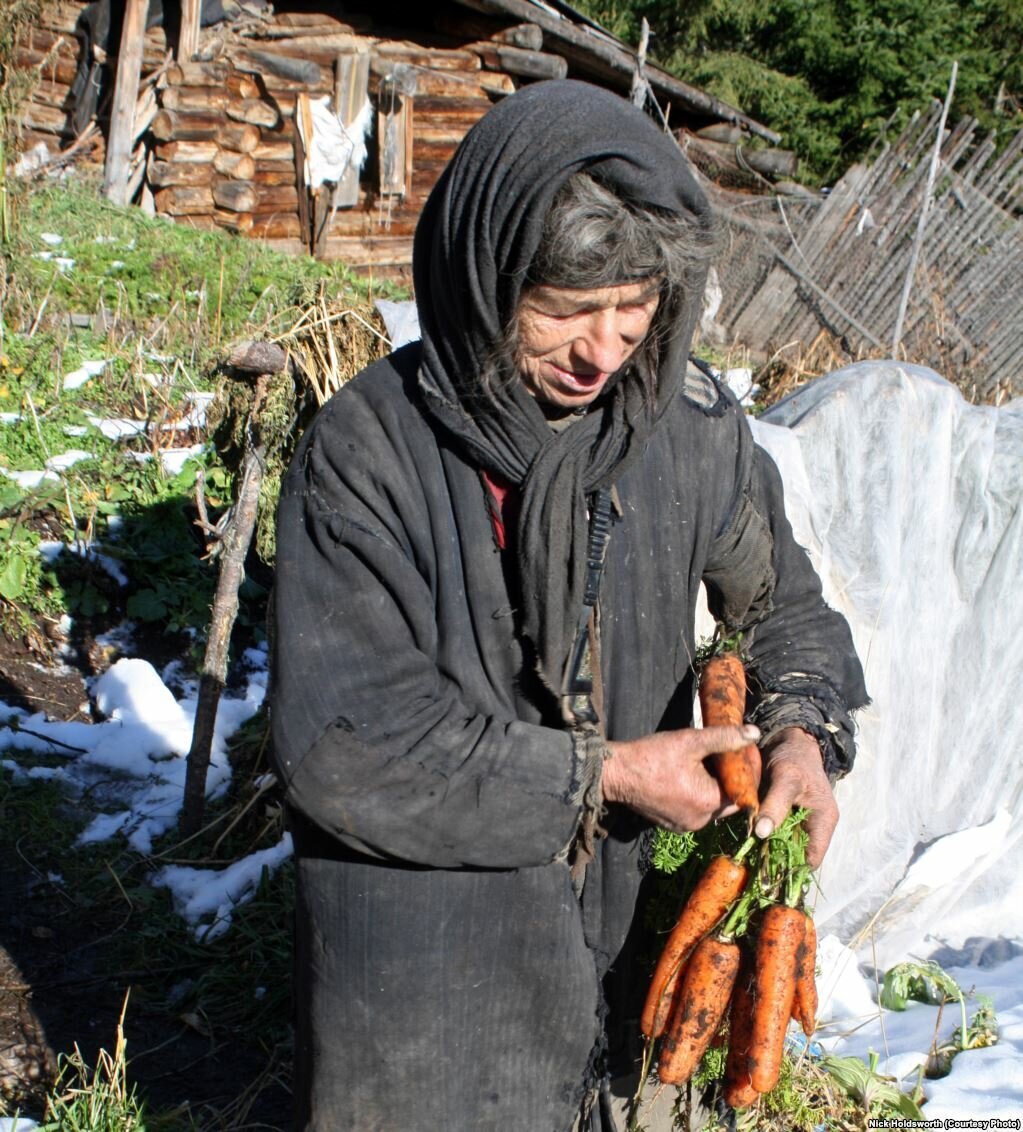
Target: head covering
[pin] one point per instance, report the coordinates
(474, 243)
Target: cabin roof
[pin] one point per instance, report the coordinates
(606, 58)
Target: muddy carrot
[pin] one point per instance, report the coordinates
(715, 891)
(804, 1005)
(739, 1091)
(723, 704)
(782, 931)
(700, 1005)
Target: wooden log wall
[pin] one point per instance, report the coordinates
(839, 263)
(49, 50)
(224, 138)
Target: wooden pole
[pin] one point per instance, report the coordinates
(907, 286)
(126, 92)
(188, 41)
(234, 547)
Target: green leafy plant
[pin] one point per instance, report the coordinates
(876, 1095)
(918, 982)
(927, 982)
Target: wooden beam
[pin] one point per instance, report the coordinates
(350, 84)
(520, 61)
(188, 41)
(126, 93)
(605, 56)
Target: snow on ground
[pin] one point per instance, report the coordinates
(134, 759)
(984, 1083)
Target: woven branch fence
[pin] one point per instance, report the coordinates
(794, 266)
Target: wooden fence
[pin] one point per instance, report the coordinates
(794, 266)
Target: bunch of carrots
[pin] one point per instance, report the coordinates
(741, 958)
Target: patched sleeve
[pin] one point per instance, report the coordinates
(761, 584)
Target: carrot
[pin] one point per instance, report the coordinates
(804, 1005)
(720, 885)
(723, 704)
(699, 1007)
(739, 1091)
(782, 931)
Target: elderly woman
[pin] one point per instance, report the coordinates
(489, 550)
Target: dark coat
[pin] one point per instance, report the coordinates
(448, 976)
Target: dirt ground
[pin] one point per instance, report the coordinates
(59, 985)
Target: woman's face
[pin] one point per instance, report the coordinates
(571, 343)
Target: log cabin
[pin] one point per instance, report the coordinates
(316, 126)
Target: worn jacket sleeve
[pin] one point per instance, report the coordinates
(375, 743)
(760, 583)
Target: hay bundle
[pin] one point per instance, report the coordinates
(331, 340)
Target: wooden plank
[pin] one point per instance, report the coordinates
(45, 92)
(274, 173)
(240, 166)
(471, 84)
(164, 173)
(235, 196)
(242, 137)
(184, 200)
(519, 61)
(312, 31)
(282, 149)
(180, 125)
(317, 20)
(426, 132)
(304, 128)
(319, 47)
(204, 73)
(253, 110)
(454, 108)
(473, 27)
(54, 68)
(195, 99)
(286, 226)
(188, 41)
(233, 221)
(394, 140)
(371, 251)
(368, 224)
(145, 111)
(47, 119)
(350, 94)
(270, 64)
(126, 92)
(276, 199)
(60, 15)
(194, 151)
(44, 39)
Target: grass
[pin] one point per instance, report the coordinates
(86, 281)
(161, 304)
(95, 1100)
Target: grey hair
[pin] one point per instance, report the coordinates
(592, 238)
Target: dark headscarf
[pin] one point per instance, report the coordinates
(475, 241)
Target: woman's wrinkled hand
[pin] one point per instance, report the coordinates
(663, 777)
(794, 773)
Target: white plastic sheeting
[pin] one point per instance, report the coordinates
(907, 499)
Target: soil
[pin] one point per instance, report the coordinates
(58, 985)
